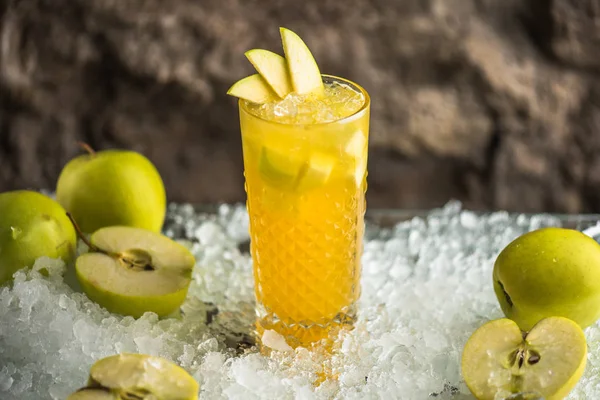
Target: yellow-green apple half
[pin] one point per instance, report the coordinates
(112, 187)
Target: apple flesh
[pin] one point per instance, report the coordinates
(137, 376)
(499, 361)
(112, 187)
(131, 271)
(32, 225)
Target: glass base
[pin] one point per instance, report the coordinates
(303, 334)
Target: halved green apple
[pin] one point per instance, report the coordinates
(128, 376)
(304, 71)
(131, 271)
(499, 359)
(253, 88)
(273, 68)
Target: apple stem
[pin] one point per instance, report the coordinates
(81, 235)
(87, 148)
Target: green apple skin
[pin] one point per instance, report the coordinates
(113, 187)
(549, 272)
(32, 225)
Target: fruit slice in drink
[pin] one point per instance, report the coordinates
(278, 168)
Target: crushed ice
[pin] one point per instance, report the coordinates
(340, 101)
(426, 287)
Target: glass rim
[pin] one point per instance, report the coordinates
(366, 104)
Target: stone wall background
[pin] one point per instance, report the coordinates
(492, 102)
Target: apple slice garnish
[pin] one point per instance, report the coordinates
(253, 88)
(304, 71)
(279, 168)
(273, 68)
(317, 171)
(356, 148)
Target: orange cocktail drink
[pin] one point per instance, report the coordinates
(305, 142)
(305, 182)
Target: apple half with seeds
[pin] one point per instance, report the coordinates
(128, 376)
(131, 271)
(501, 361)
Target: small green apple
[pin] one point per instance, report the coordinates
(137, 376)
(499, 361)
(131, 271)
(32, 225)
(549, 272)
(112, 187)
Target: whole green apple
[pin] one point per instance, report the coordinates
(32, 225)
(112, 187)
(549, 272)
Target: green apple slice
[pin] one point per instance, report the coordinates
(499, 360)
(304, 71)
(131, 271)
(253, 88)
(356, 145)
(355, 148)
(360, 170)
(273, 68)
(316, 172)
(138, 376)
(279, 168)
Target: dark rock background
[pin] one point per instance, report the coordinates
(492, 102)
